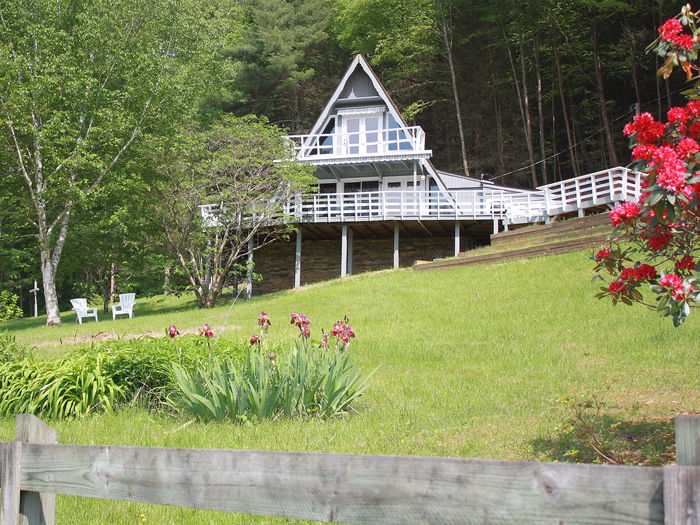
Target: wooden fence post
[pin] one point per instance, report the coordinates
(35, 508)
(682, 482)
(10, 463)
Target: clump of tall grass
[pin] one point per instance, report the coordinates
(308, 380)
(100, 377)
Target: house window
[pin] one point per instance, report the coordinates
(327, 188)
(354, 187)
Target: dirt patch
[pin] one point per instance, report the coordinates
(106, 336)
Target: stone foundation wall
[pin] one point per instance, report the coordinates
(320, 259)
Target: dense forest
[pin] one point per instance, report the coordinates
(519, 92)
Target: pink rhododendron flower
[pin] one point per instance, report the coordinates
(659, 241)
(645, 271)
(686, 263)
(687, 147)
(684, 41)
(617, 287)
(670, 27)
(646, 128)
(625, 213)
(602, 254)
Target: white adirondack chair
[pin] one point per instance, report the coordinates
(125, 306)
(83, 310)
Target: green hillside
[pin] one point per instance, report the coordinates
(472, 362)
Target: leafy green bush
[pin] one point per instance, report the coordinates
(62, 389)
(306, 381)
(100, 377)
(10, 349)
(9, 306)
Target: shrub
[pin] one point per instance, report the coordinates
(305, 381)
(62, 389)
(97, 378)
(663, 226)
(10, 349)
(9, 306)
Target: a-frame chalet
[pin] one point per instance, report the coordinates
(381, 203)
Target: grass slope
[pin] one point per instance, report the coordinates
(472, 360)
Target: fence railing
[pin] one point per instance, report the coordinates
(421, 205)
(345, 488)
(386, 141)
(592, 189)
(587, 191)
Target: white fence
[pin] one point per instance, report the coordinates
(416, 205)
(593, 189)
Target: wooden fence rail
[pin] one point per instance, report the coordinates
(347, 488)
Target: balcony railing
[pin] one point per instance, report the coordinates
(580, 193)
(414, 205)
(406, 141)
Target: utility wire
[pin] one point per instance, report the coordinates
(585, 139)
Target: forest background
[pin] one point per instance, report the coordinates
(519, 92)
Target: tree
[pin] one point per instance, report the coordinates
(239, 167)
(664, 226)
(407, 35)
(80, 83)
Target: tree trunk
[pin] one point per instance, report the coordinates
(48, 280)
(633, 63)
(604, 117)
(528, 119)
(540, 112)
(447, 41)
(565, 112)
(112, 282)
(166, 280)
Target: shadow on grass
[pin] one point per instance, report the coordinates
(149, 307)
(607, 439)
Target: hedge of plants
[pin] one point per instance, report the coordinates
(196, 376)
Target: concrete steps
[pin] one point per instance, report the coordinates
(535, 241)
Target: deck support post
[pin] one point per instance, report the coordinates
(297, 260)
(457, 238)
(415, 176)
(344, 251)
(495, 226)
(351, 240)
(249, 273)
(396, 245)
(581, 212)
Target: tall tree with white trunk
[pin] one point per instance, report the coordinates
(80, 83)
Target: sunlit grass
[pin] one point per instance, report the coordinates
(471, 362)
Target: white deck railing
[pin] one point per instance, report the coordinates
(417, 205)
(593, 189)
(390, 141)
(580, 193)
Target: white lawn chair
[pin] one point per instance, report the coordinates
(83, 310)
(125, 306)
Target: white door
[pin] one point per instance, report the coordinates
(363, 134)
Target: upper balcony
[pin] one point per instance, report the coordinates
(369, 145)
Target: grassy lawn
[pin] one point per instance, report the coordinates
(472, 361)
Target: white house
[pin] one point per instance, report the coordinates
(381, 203)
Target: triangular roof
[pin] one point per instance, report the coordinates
(361, 62)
